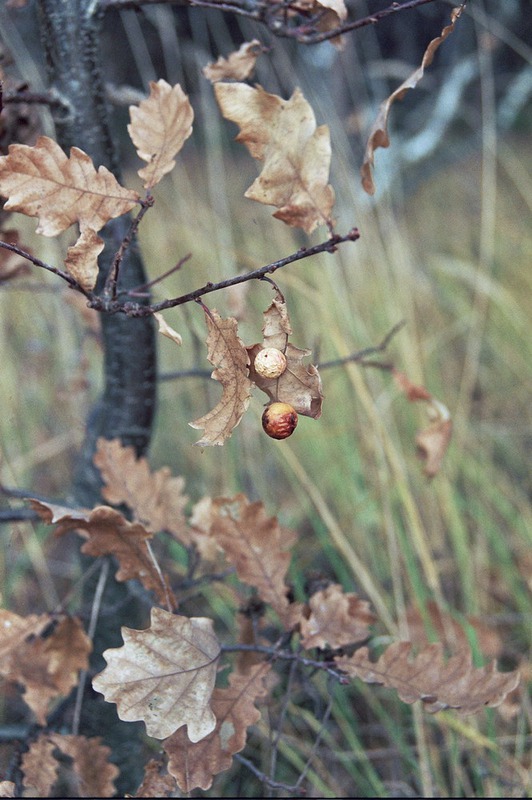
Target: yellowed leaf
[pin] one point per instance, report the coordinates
(164, 675)
(300, 384)
(335, 619)
(195, 765)
(155, 498)
(159, 127)
(258, 548)
(429, 678)
(378, 136)
(82, 258)
(41, 181)
(237, 66)
(296, 153)
(229, 355)
(166, 330)
(108, 532)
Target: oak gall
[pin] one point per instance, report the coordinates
(270, 362)
(279, 420)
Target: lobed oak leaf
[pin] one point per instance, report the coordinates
(229, 355)
(335, 619)
(296, 153)
(155, 498)
(432, 442)
(42, 181)
(157, 782)
(108, 532)
(429, 678)
(195, 765)
(237, 66)
(93, 774)
(82, 258)
(378, 136)
(43, 654)
(159, 127)
(300, 384)
(164, 675)
(39, 767)
(258, 548)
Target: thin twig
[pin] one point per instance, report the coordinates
(111, 283)
(38, 263)
(293, 790)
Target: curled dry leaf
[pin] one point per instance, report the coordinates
(429, 678)
(155, 498)
(335, 619)
(432, 442)
(164, 675)
(195, 765)
(94, 775)
(300, 384)
(237, 66)
(108, 532)
(258, 547)
(378, 136)
(228, 354)
(159, 127)
(166, 330)
(43, 654)
(82, 259)
(296, 153)
(43, 182)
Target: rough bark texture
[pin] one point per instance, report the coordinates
(70, 38)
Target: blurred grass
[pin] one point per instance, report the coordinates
(350, 482)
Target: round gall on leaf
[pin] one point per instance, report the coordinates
(270, 362)
(279, 420)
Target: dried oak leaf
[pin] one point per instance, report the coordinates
(108, 532)
(7, 789)
(450, 631)
(378, 136)
(237, 66)
(93, 774)
(39, 767)
(155, 498)
(432, 442)
(41, 181)
(159, 127)
(82, 258)
(166, 330)
(43, 654)
(258, 548)
(195, 765)
(157, 782)
(300, 384)
(335, 619)
(429, 678)
(164, 675)
(11, 264)
(229, 355)
(296, 153)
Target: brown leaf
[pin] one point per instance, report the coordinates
(195, 765)
(229, 355)
(43, 654)
(164, 675)
(335, 619)
(378, 136)
(94, 774)
(237, 66)
(449, 630)
(11, 264)
(159, 127)
(41, 181)
(39, 767)
(300, 384)
(7, 789)
(108, 532)
(82, 258)
(166, 330)
(156, 784)
(257, 546)
(427, 677)
(155, 498)
(296, 153)
(432, 442)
